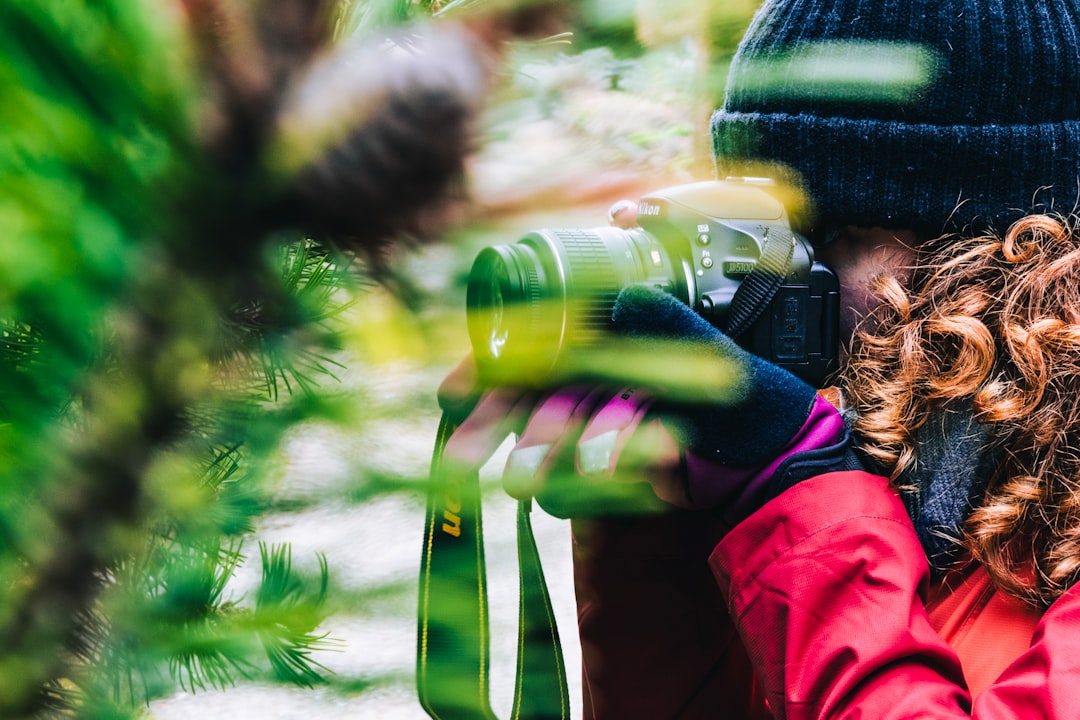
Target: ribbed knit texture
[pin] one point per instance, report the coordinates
(927, 114)
(770, 404)
(955, 462)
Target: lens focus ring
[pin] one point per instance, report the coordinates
(593, 284)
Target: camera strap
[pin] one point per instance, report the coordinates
(758, 289)
(453, 642)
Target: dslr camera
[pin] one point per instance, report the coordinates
(725, 248)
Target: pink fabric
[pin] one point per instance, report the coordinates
(621, 414)
(824, 585)
(497, 414)
(590, 417)
(740, 490)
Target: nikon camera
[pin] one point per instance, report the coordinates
(725, 248)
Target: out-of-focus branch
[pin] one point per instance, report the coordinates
(366, 140)
(361, 142)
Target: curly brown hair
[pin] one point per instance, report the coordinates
(992, 322)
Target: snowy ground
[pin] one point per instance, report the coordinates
(376, 545)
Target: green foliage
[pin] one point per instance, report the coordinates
(287, 613)
(360, 17)
(141, 329)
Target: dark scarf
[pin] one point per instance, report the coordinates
(954, 460)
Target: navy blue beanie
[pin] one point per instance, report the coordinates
(935, 115)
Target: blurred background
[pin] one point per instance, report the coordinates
(233, 275)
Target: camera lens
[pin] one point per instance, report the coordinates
(554, 288)
(503, 299)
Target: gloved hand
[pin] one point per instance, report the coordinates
(731, 452)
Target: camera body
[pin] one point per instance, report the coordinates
(725, 248)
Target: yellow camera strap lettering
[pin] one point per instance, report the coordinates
(453, 643)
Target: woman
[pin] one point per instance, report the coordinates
(936, 144)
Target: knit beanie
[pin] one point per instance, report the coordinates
(935, 115)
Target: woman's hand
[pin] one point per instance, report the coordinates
(593, 448)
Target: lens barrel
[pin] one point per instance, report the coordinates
(554, 288)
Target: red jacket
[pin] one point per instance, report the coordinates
(827, 588)
(827, 585)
